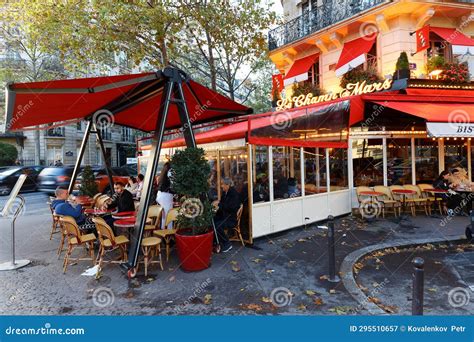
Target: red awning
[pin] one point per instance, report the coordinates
(461, 43)
(239, 130)
(134, 101)
(299, 70)
(434, 111)
(354, 53)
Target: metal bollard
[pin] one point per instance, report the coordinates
(418, 285)
(333, 277)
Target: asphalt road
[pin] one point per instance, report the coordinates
(35, 203)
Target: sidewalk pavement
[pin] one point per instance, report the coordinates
(281, 274)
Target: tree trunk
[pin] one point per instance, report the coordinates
(212, 63)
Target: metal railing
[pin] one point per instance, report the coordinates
(55, 132)
(328, 14)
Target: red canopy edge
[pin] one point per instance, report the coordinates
(296, 143)
(452, 36)
(128, 100)
(434, 112)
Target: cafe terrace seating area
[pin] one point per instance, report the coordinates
(395, 199)
(109, 245)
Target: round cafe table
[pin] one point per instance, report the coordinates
(403, 193)
(124, 215)
(436, 191)
(371, 193)
(96, 212)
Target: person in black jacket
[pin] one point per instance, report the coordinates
(122, 199)
(452, 201)
(226, 215)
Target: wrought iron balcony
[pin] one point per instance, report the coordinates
(328, 14)
(55, 132)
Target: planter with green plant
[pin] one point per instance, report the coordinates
(455, 73)
(370, 76)
(306, 88)
(190, 173)
(402, 69)
(435, 63)
(88, 185)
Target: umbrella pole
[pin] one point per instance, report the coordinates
(104, 156)
(77, 166)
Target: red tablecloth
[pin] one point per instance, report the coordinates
(93, 211)
(404, 191)
(125, 223)
(124, 215)
(371, 193)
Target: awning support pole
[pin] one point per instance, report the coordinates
(104, 156)
(77, 166)
(145, 198)
(184, 117)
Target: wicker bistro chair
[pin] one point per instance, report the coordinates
(363, 200)
(416, 200)
(94, 199)
(154, 215)
(109, 242)
(74, 239)
(432, 200)
(238, 235)
(167, 234)
(387, 200)
(55, 226)
(150, 248)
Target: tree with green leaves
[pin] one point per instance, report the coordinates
(8, 154)
(88, 184)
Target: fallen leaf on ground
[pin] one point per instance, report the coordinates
(302, 307)
(292, 262)
(332, 291)
(207, 299)
(341, 310)
(257, 260)
(323, 277)
(270, 271)
(310, 292)
(233, 262)
(235, 268)
(302, 240)
(172, 278)
(432, 289)
(389, 308)
(266, 300)
(374, 300)
(318, 301)
(254, 307)
(375, 284)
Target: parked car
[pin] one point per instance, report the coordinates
(52, 177)
(9, 176)
(119, 174)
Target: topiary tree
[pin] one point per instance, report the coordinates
(88, 184)
(402, 62)
(190, 173)
(8, 154)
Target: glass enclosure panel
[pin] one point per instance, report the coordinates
(315, 177)
(399, 161)
(338, 169)
(260, 174)
(455, 154)
(233, 165)
(286, 172)
(367, 161)
(214, 190)
(426, 159)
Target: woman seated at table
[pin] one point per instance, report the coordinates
(62, 206)
(132, 186)
(452, 201)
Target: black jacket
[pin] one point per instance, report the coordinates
(123, 202)
(228, 206)
(441, 183)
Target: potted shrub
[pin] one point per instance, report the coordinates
(402, 69)
(435, 63)
(190, 172)
(455, 73)
(359, 75)
(88, 185)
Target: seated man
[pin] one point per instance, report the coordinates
(62, 206)
(122, 199)
(226, 215)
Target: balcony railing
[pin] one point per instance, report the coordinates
(55, 132)
(328, 14)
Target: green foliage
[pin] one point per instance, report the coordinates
(306, 88)
(435, 63)
(88, 184)
(402, 62)
(360, 75)
(8, 154)
(190, 173)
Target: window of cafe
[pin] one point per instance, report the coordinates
(338, 169)
(426, 160)
(315, 176)
(313, 74)
(260, 174)
(455, 153)
(367, 161)
(233, 165)
(399, 162)
(286, 172)
(214, 188)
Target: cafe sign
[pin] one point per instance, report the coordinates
(450, 129)
(351, 89)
